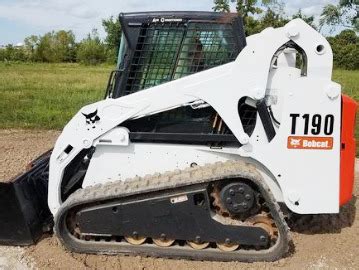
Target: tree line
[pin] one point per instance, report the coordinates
(260, 14)
(61, 46)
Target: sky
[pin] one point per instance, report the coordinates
(22, 18)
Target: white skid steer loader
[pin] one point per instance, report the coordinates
(204, 142)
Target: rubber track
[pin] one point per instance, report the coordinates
(170, 180)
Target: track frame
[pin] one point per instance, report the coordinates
(171, 180)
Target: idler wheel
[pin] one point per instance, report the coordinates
(238, 198)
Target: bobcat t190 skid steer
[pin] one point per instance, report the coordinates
(204, 142)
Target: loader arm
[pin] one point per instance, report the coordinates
(220, 87)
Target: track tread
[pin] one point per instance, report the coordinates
(170, 180)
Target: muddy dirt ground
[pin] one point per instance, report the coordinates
(321, 242)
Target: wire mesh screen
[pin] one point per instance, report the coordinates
(166, 52)
(205, 46)
(248, 116)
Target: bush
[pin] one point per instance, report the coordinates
(112, 28)
(12, 53)
(91, 50)
(55, 47)
(2, 55)
(345, 48)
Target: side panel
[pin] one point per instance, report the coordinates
(110, 163)
(347, 154)
(308, 173)
(114, 162)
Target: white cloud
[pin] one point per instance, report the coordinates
(83, 15)
(308, 7)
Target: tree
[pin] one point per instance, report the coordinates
(45, 48)
(9, 52)
(65, 46)
(91, 50)
(345, 14)
(247, 9)
(345, 48)
(269, 19)
(54, 47)
(31, 44)
(308, 19)
(221, 6)
(2, 55)
(112, 28)
(12, 53)
(18, 54)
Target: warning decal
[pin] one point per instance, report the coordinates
(318, 143)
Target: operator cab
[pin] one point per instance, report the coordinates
(164, 46)
(159, 47)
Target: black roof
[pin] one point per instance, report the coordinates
(137, 19)
(185, 15)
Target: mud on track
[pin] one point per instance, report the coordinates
(321, 242)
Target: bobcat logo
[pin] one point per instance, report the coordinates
(91, 119)
(295, 142)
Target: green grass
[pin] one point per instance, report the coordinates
(349, 80)
(46, 96)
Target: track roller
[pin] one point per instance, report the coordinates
(163, 242)
(197, 246)
(135, 240)
(227, 247)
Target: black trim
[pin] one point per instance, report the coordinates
(293, 45)
(112, 82)
(248, 116)
(272, 115)
(266, 119)
(74, 173)
(182, 137)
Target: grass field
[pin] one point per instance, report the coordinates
(349, 80)
(46, 96)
